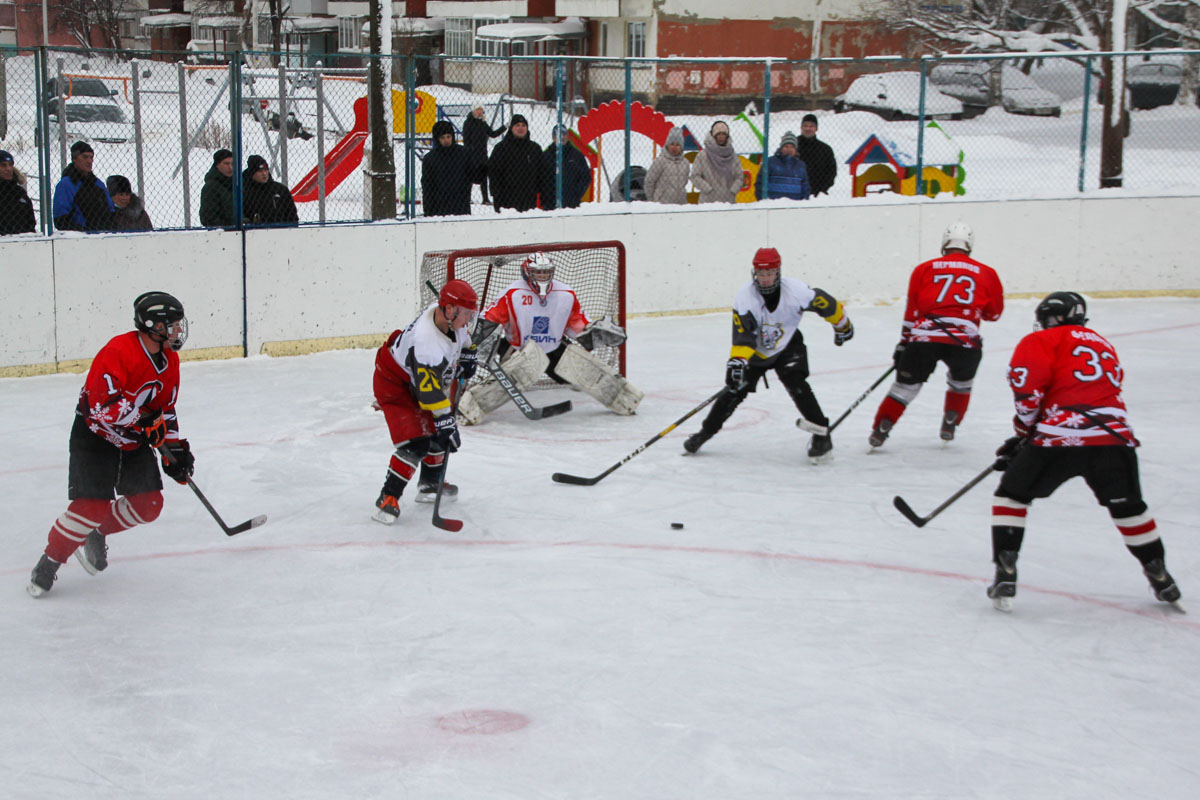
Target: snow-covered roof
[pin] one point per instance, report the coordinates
(167, 21)
(570, 28)
(219, 22)
(413, 26)
(312, 23)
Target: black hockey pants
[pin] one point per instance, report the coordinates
(791, 367)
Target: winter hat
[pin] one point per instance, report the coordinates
(810, 118)
(6, 156)
(440, 128)
(118, 184)
(81, 147)
(719, 127)
(221, 155)
(788, 138)
(675, 136)
(254, 163)
(518, 119)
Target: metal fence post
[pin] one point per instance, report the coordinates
(183, 145)
(766, 142)
(921, 128)
(283, 125)
(558, 147)
(320, 145)
(62, 114)
(45, 189)
(628, 188)
(410, 134)
(235, 135)
(1083, 129)
(135, 68)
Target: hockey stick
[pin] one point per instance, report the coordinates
(452, 525)
(804, 424)
(905, 509)
(236, 529)
(576, 480)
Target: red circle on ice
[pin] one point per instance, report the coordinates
(483, 722)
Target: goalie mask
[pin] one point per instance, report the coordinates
(766, 270)
(160, 316)
(538, 272)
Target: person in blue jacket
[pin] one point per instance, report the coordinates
(81, 201)
(788, 176)
(576, 173)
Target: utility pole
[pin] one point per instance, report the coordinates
(381, 169)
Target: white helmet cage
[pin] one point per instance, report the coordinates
(958, 235)
(538, 272)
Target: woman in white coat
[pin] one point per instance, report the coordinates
(717, 171)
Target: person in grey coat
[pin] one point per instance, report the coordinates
(717, 171)
(667, 179)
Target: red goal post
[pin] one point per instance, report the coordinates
(595, 270)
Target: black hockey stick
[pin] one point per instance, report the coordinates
(518, 397)
(905, 509)
(576, 480)
(812, 428)
(236, 529)
(452, 525)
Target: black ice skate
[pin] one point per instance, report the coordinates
(427, 492)
(949, 423)
(388, 509)
(696, 440)
(880, 433)
(819, 448)
(1004, 587)
(43, 576)
(1162, 583)
(93, 554)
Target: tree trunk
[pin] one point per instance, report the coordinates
(1112, 139)
(381, 172)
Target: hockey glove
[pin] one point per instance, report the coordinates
(735, 373)
(468, 362)
(843, 332)
(897, 353)
(154, 428)
(1006, 452)
(602, 333)
(181, 464)
(447, 433)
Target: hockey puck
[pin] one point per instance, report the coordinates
(677, 526)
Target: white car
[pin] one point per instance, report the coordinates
(91, 119)
(896, 95)
(969, 82)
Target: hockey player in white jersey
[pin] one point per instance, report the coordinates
(546, 332)
(766, 336)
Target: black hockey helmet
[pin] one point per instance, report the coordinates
(1061, 308)
(152, 308)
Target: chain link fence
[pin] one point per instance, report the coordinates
(266, 141)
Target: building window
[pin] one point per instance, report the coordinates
(460, 34)
(635, 39)
(8, 15)
(350, 32)
(603, 39)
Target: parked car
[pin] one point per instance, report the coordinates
(79, 87)
(971, 83)
(92, 120)
(896, 95)
(1152, 84)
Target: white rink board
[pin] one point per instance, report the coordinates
(322, 283)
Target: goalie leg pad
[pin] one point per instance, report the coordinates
(525, 366)
(580, 368)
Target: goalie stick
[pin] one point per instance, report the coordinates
(822, 430)
(905, 509)
(236, 529)
(576, 480)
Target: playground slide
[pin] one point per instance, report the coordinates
(339, 161)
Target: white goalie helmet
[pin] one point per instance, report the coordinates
(958, 235)
(538, 272)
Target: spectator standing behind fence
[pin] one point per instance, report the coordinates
(717, 171)
(16, 212)
(265, 201)
(667, 179)
(475, 133)
(785, 175)
(129, 212)
(446, 173)
(515, 168)
(216, 198)
(576, 172)
(81, 201)
(817, 157)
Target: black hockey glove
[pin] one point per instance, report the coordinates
(183, 464)
(843, 331)
(735, 373)
(154, 428)
(1006, 452)
(468, 362)
(447, 433)
(898, 353)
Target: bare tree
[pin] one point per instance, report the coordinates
(86, 18)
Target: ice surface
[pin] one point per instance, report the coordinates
(798, 638)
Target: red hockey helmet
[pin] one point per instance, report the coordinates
(459, 293)
(767, 264)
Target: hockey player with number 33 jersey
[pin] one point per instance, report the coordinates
(1070, 421)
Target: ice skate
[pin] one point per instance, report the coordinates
(820, 448)
(949, 423)
(1004, 587)
(880, 434)
(388, 509)
(427, 492)
(1162, 584)
(696, 441)
(41, 580)
(93, 554)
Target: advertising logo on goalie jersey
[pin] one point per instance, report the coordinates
(539, 331)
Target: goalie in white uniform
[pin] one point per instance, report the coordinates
(546, 332)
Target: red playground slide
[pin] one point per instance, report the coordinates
(340, 161)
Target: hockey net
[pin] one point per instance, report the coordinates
(595, 270)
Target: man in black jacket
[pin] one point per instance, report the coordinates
(515, 168)
(576, 173)
(216, 198)
(817, 157)
(475, 134)
(16, 211)
(446, 173)
(265, 201)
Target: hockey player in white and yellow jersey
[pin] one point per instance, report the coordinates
(766, 336)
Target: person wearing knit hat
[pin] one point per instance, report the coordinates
(265, 201)
(16, 210)
(216, 198)
(446, 173)
(81, 201)
(667, 179)
(475, 135)
(784, 175)
(717, 171)
(515, 168)
(817, 156)
(576, 172)
(129, 212)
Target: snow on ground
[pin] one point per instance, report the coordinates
(797, 638)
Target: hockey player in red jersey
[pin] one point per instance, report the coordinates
(544, 331)
(766, 336)
(126, 412)
(1070, 421)
(948, 296)
(415, 372)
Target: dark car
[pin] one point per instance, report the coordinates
(78, 87)
(1153, 84)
